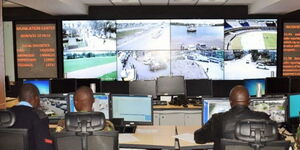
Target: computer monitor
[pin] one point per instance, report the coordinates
(115, 87)
(170, 85)
(14, 139)
(196, 88)
(63, 86)
(293, 110)
(294, 85)
(42, 84)
(212, 106)
(221, 88)
(101, 103)
(279, 85)
(88, 82)
(54, 105)
(254, 84)
(143, 87)
(275, 107)
(133, 108)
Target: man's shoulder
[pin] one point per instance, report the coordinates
(28, 111)
(261, 115)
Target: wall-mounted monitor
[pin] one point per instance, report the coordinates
(279, 85)
(250, 64)
(212, 106)
(42, 85)
(253, 85)
(221, 88)
(36, 50)
(198, 88)
(186, 34)
(250, 34)
(198, 64)
(170, 85)
(89, 35)
(143, 87)
(63, 85)
(90, 64)
(115, 87)
(143, 34)
(125, 106)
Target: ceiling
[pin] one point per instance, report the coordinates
(80, 7)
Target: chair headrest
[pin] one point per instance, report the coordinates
(253, 130)
(85, 121)
(7, 118)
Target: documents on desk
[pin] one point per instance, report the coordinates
(127, 138)
(188, 137)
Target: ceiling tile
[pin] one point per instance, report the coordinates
(125, 2)
(182, 2)
(154, 2)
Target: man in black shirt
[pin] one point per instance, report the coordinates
(222, 125)
(29, 117)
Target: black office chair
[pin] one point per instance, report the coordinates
(254, 134)
(11, 138)
(83, 132)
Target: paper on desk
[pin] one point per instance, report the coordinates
(146, 131)
(127, 138)
(186, 137)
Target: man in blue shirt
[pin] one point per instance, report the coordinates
(29, 117)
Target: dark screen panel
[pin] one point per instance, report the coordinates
(115, 87)
(170, 85)
(277, 85)
(143, 87)
(63, 85)
(88, 82)
(221, 88)
(196, 88)
(295, 85)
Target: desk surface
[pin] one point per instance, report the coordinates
(176, 107)
(161, 137)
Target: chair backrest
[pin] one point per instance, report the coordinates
(230, 144)
(11, 138)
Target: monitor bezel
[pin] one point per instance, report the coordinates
(133, 122)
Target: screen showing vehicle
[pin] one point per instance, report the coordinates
(294, 106)
(273, 107)
(197, 34)
(42, 85)
(250, 64)
(250, 34)
(170, 85)
(90, 64)
(54, 105)
(89, 35)
(143, 34)
(36, 50)
(198, 64)
(143, 65)
(291, 49)
(101, 103)
(253, 85)
(137, 109)
(213, 106)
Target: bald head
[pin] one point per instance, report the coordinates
(31, 94)
(239, 96)
(84, 99)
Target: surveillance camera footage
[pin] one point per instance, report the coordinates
(247, 64)
(89, 35)
(143, 35)
(197, 64)
(54, 106)
(197, 34)
(143, 65)
(250, 34)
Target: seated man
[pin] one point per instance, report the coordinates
(28, 117)
(83, 102)
(222, 125)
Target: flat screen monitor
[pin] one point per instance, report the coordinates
(54, 105)
(63, 86)
(294, 85)
(115, 87)
(42, 85)
(221, 88)
(275, 107)
(170, 85)
(253, 85)
(101, 103)
(196, 88)
(293, 105)
(143, 87)
(212, 106)
(89, 83)
(277, 85)
(134, 109)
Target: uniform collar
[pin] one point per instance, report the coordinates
(25, 103)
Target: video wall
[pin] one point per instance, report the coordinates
(147, 49)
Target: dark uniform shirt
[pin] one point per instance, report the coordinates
(37, 124)
(222, 125)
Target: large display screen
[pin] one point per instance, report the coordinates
(36, 50)
(291, 49)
